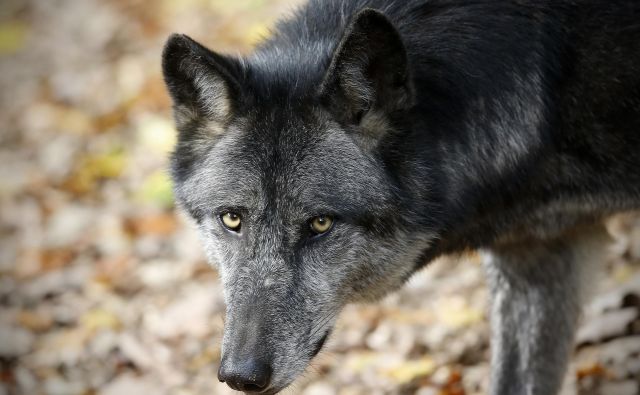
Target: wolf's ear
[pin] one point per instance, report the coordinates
(369, 70)
(202, 83)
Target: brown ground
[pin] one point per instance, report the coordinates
(103, 287)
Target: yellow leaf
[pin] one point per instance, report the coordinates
(107, 165)
(13, 36)
(407, 371)
(361, 361)
(456, 313)
(157, 189)
(257, 33)
(622, 273)
(95, 168)
(100, 319)
(157, 133)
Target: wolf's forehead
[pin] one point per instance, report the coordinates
(300, 169)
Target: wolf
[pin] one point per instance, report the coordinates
(364, 138)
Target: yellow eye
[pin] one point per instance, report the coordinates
(231, 221)
(321, 224)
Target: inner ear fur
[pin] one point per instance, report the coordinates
(202, 83)
(369, 70)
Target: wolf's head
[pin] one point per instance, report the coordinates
(297, 186)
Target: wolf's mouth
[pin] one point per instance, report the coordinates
(320, 343)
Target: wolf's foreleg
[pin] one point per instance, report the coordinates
(536, 290)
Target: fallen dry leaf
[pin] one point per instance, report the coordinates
(51, 259)
(161, 224)
(36, 321)
(595, 370)
(95, 168)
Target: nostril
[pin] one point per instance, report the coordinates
(248, 376)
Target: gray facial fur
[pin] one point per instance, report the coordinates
(282, 284)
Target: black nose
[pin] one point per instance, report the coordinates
(251, 375)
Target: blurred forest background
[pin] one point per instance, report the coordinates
(103, 285)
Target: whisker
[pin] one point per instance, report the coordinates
(320, 325)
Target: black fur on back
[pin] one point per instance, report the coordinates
(526, 118)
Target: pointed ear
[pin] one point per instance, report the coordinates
(369, 70)
(202, 83)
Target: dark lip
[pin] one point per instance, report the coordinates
(268, 391)
(320, 343)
